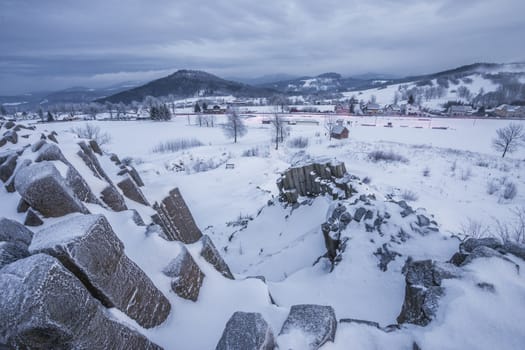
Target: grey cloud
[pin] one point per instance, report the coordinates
(53, 44)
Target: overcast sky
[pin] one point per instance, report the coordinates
(52, 44)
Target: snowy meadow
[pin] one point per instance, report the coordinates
(444, 167)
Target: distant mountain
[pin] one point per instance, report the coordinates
(76, 94)
(189, 83)
(269, 78)
(480, 84)
(320, 84)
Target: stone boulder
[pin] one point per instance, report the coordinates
(246, 331)
(8, 167)
(32, 218)
(44, 306)
(175, 218)
(470, 244)
(131, 190)
(79, 186)
(212, 256)
(423, 290)
(113, 199)
(50, 151)
(515, 249)
(186, 275)
(38, 145)
(91, 160)
(317, 322)
(11, 136)
(10, 252)
(43, 187)
(87, 245)
(317, 178)
(15, 232)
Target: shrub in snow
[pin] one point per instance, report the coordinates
(367, 180)
(426, 172)
(386, 156)
(256, 152)
(492, 187)
(466, 174)
(409, 196)
(474, 228)
(92, 132)
(176, 145)
(298, 142)
(509, 190)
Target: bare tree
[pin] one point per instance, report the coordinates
(509, 138)
(92, 132)
(234, 126)
(93, 109)
(329, 125)
(278, 124)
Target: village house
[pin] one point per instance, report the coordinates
(459, 110)
(372, 109)
(339, 132)
(510, 111)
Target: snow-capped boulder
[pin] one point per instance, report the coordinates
(310, 325)
(79, 186)
(95, 147)
(50, 151)
(186, 275)
(175, 218)
(315, 179)
(91, 160)
(8, 167)
(472, 243)
(38, 145)
(423, 290)
(44, 306)
(212, 256)
(246, 331)
(44, 188)
(11, 136)
(132, 191)
(32, 218)
(515, 249)
(13, 231)
(131, 171)
(87, 245)
(10, 252)
(113, 199)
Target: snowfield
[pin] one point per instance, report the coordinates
(446, 176)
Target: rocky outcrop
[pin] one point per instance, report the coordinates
(50, 152)
(315, 179)
(212, 256)
(42, 186)
(113, 199)
(175, 218)
(246, 331)
(317, 323)
(131, 190)
(32, 218)
(87, 246)
(423, 290)
(10, 252)
(7, 168)
(15, 232)
(186, 275)
(44, 306)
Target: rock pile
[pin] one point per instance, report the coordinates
(58, 282)
(315, 179)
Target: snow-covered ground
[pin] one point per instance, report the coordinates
(448, 170)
